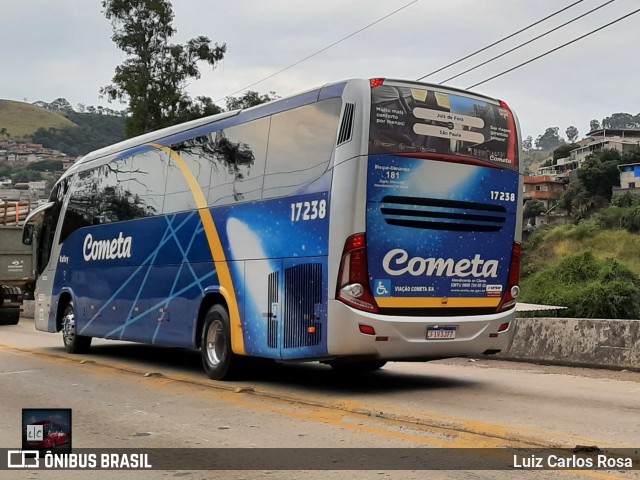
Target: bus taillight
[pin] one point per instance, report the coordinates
(353, 276)
(513, 290)
(376, 82)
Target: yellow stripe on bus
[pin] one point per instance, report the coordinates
(407, 302)
(217, 252)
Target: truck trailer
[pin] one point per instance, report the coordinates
(17, 273)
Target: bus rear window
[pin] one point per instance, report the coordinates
(420, 120)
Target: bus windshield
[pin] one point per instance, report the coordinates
(416, 119)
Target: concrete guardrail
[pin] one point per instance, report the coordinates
(599, 343)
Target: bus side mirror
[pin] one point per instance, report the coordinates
(27, 234)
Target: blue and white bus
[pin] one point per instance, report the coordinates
(357, 223)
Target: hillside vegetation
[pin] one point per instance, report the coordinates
(89, 132)
(544, 247)
(58, 126)
(21, 120)
(593, 271)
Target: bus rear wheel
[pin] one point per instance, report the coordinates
(218, 359)
(73, 343)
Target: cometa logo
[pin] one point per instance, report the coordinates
(108, 249)
(397, 262)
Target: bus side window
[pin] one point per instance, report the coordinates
(196, 154)
(301, 142)
(144, 187)
(100, 196)
(238, 156)
(178, 195)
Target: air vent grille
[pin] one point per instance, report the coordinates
(346, 128)
(440, 214)
(303, 292)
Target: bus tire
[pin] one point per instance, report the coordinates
(218, 359)
(73, 343)
(358, 367)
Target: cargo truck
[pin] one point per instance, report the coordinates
(17, 274)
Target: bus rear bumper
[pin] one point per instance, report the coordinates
(406, 337)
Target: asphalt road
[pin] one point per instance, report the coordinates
(125, 395)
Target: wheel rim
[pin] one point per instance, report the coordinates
(68, 328)
(216, 343)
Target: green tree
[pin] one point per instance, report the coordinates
(572, 133)
(548, 162)
(154, 77)
(26, 175)
(250, 99)
(626, 200)
(594, 125)
(533, 208)
(563, 151)
(632, 156)
(200, 107)
(46, 166)
(527, 143)
(599, 172)
(575, 200)
(620, 120)
(549, 139)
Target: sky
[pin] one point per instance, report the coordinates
(63, 48)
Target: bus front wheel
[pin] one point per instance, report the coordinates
(73, 343)
(218, 359)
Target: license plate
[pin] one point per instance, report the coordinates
(441, 333)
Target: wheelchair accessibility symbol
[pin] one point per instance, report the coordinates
(383, 288)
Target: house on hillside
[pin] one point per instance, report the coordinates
(545, 188)
(629, 180)
(561, 171)
(27, 158)
(621, 139)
